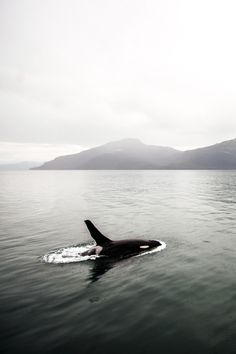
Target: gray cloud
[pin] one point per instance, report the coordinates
(84, 73)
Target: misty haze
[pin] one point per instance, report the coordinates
(120, 114)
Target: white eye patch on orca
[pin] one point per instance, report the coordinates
(145, 246)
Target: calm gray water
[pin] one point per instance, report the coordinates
(179, 300)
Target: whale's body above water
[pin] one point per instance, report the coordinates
(117, 249)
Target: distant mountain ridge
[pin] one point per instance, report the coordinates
(132, 154)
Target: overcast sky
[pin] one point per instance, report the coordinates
(79, 73)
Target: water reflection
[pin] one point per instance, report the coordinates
(100, 267)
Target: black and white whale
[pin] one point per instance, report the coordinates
(117, 249)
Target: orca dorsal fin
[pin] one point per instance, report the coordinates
(96, 234)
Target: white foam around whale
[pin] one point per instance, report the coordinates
(68, 255)
(73, 254)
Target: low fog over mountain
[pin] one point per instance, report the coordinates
(133, 154)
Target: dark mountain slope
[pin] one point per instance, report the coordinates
(219, 156)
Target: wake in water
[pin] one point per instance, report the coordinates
(73, 254)
(70, 254)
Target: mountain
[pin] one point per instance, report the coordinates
(132, 154)
(221, 156)
(119, 155)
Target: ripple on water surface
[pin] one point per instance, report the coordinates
(181, 300)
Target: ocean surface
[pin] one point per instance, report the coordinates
(181, 299)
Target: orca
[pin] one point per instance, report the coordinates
(117, 249)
